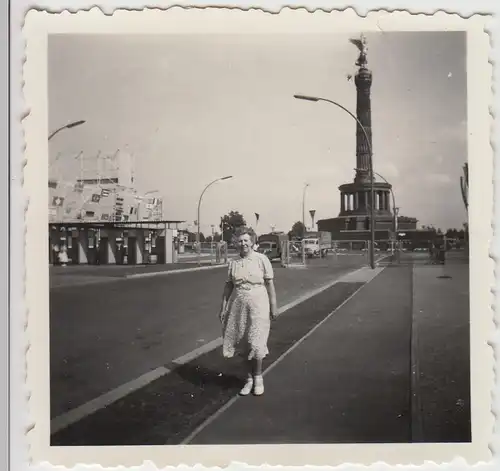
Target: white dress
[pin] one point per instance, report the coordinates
(246, 321)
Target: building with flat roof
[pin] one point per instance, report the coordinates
(98, 188)
(97, 215)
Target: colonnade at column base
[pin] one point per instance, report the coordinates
(355, 198)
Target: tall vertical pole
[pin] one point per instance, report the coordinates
(198, 242)
(372, 212)
(304, 207)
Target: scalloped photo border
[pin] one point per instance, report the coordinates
(180, 20)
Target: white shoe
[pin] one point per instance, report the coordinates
(247, 389)
(258, 388)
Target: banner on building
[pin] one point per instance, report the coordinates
(57, 201)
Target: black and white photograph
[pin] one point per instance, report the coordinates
(260, 238)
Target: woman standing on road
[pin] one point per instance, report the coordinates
(248, 306)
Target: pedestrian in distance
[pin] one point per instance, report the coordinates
(248, 307)
(63, 256)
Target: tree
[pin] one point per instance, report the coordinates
(191, 237)
(230, 223)
(298, 230)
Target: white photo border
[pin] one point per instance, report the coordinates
(35, 129)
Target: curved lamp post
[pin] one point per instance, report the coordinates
(372, 192)
(66, 126)
(394, 207)
(198, 246)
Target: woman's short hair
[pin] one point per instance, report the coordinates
(241, 231)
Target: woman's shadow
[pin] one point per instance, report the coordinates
(212, 371)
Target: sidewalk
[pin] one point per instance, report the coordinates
(350, 380)
(347, 382)
(442, 353)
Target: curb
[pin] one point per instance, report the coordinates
(417, 425)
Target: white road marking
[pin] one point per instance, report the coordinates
(372, 275)
(74, 415)
(172, 272)
(62, 421)
(212, 345)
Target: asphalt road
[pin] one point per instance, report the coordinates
(106, 334)
(349, 381)
(168, 409)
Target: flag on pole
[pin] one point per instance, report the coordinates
(57, 201)
(257, 216)
(96, 198)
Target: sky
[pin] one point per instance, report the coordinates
(193, 108)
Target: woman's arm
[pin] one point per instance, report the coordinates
(272, 298)
(228, 289)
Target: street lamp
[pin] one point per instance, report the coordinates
(66, 126)
(304, 208)
(198, 221)
(372, 191)
(394, 207)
